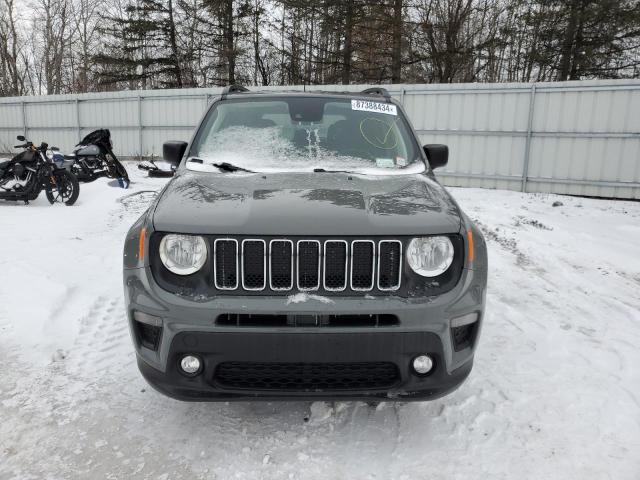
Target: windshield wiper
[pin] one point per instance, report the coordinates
(230, 167)
(323, 170)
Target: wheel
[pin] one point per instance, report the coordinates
(64, 188)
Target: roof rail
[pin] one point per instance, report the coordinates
(231, 89)
(377, 91)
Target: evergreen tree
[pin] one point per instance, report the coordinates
(145, 51)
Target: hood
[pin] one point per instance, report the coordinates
(313, 204)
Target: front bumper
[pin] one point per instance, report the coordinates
(304, 348)
(189, 327)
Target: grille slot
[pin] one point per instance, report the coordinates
(308, 265)
(226, 263)
(362, 265)
(335, 265)
(309, 320)
(281, 264)
(304, 377)
(372, 320)
(254, 265)
(251, 320)
(389, 264)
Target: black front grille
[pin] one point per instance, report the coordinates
(308, 265)
(304, 377)
(390, 255)
(226, 261)
(281, 264)
(332, 265)
(254, 264)
(362, 265)
(335, 265)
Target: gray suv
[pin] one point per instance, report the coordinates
(304, 249)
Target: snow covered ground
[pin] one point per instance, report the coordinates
(555, 391)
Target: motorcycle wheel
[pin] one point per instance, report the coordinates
(65, 188)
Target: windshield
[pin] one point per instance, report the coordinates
(306, 134)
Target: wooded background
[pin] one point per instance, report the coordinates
(78, 46)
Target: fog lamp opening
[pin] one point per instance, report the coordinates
(190, 365)
(422, 364)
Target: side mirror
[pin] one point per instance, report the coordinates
(173, 151)
(437, 154)
(21, 138)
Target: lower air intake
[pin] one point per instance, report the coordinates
(306, 377)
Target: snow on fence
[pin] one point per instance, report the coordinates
(580, 138)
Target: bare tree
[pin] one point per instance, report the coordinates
(62, 46)
(52, 47)
(12, 77)
(86, 40)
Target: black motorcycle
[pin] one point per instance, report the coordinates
(93, 158)
(23, 177)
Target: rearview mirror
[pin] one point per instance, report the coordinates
(21, 138)
(437, 154)
(173, 151)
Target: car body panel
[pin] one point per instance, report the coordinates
(305, 204)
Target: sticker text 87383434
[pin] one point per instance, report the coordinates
(378, 107)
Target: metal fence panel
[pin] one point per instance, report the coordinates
(578, 138)
(10, 116)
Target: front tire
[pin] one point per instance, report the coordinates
(65, 188)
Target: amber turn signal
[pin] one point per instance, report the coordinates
(143, 233)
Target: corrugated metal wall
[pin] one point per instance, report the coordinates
(579, 138)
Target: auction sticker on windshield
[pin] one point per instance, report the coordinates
(378, 107)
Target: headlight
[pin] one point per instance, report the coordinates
(430, 256)
(183, 254)
(49, 154)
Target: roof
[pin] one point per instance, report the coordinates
(379, 93)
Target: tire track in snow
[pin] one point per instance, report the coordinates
(102, 345)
